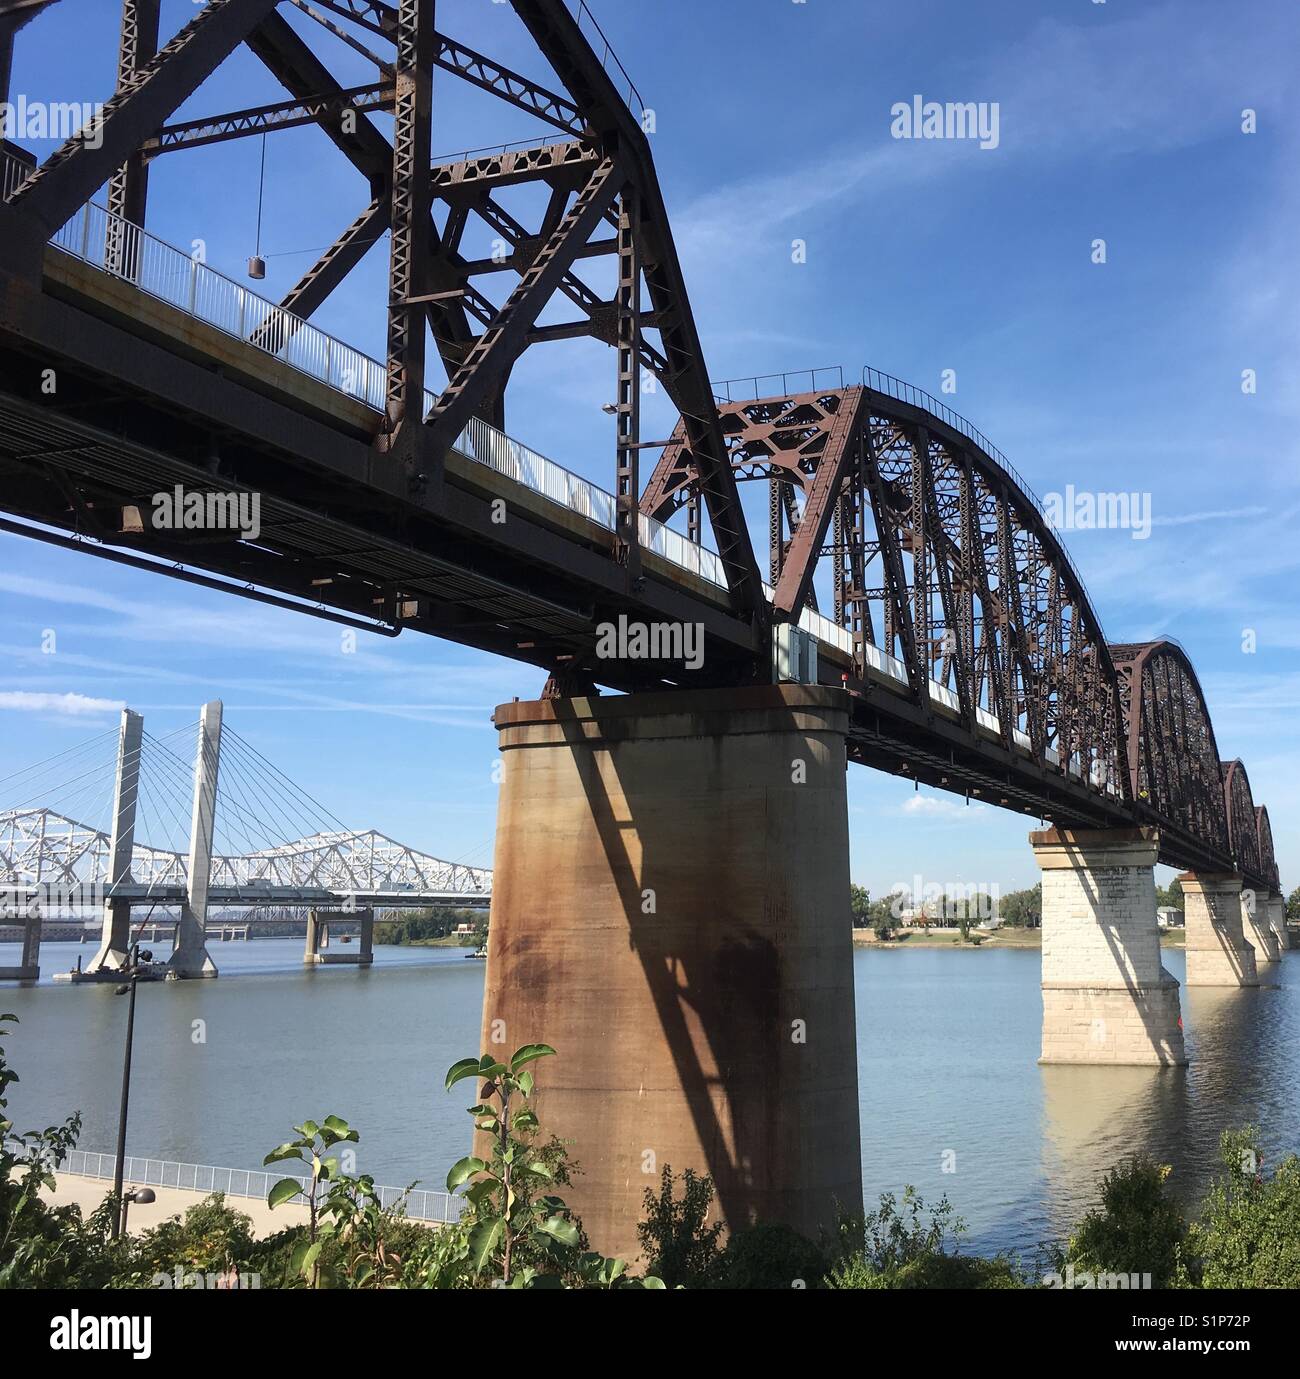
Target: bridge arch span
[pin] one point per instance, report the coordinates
(1243, 824)
(944, 567)
(1170, 748)
(1267, 857)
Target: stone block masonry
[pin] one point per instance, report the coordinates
(1106, 995)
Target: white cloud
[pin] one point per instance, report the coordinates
(937, 807)
(68, 705)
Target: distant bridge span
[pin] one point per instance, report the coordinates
(71, 861)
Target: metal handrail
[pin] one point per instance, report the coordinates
(421, 1204)
(14, 171)
(603, 49)
(726, 389)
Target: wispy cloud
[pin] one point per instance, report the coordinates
(938, 807)
(65, 705)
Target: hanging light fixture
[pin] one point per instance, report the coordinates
(257, 264)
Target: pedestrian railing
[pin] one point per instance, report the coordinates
(419, 1204)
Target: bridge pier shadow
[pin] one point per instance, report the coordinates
(669, 911)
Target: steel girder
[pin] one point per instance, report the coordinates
(1267, 856)
(939, 560)
(411, 206)
(40, 846)
(263, 119)
(1243, 825)
(1171, 754)
(136, 111)
(128, 188)
(429, 276)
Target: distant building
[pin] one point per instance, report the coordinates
(1169, 916)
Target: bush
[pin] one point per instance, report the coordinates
(1248, 1235)
(211, 1238)
(678, 1247)
(1139, 1228)
(771, 1255)
(896, 1247)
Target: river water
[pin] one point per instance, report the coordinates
(952, 1099)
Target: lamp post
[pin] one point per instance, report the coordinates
(143, 1195)
(127, 989)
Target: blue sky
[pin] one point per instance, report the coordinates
(1119, 121)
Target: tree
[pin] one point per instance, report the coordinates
(1138, 1229)
(1293, 905)
(1171, 896)
(1248, 1234)
(860, 905)
(1022, 909)
(679, 1247)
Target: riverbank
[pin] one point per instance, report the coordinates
(992, 938)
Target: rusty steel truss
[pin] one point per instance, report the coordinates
(943, 568)
(963, 634)
(603, 198)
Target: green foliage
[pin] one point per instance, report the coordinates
(1171, 896)
(1293, 906)
(438, 921)
(1138, 1229)
(518, 1229)
(506, 1214)
(341, 1210)
(1022, 909)
(859, 905)
(679, 1247)
(1248, 1234)
(897, 1246)
(770, 1255)
(210, 1238)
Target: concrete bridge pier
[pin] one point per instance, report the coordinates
(318, 939)
(669, 912)
(1277, 921)
(29, 962)
(1106, 995)
(1217, 951)
(1256, 926)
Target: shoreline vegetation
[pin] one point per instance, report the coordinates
(1006, 937)
(516, 1231)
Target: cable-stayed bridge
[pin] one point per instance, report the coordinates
(228, 833)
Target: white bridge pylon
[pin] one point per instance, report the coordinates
(66, 864)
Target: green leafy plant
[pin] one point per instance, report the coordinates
(505, 1216)
(1138, 1229)
(679, 1245)
(515, 1227)
(1248, 1233)
(899, 1245)
(324, 1212)
(771, 1255)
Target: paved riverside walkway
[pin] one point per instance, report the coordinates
(88, 1193)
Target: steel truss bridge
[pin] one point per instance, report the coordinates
(973, 657)
(70, 862)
